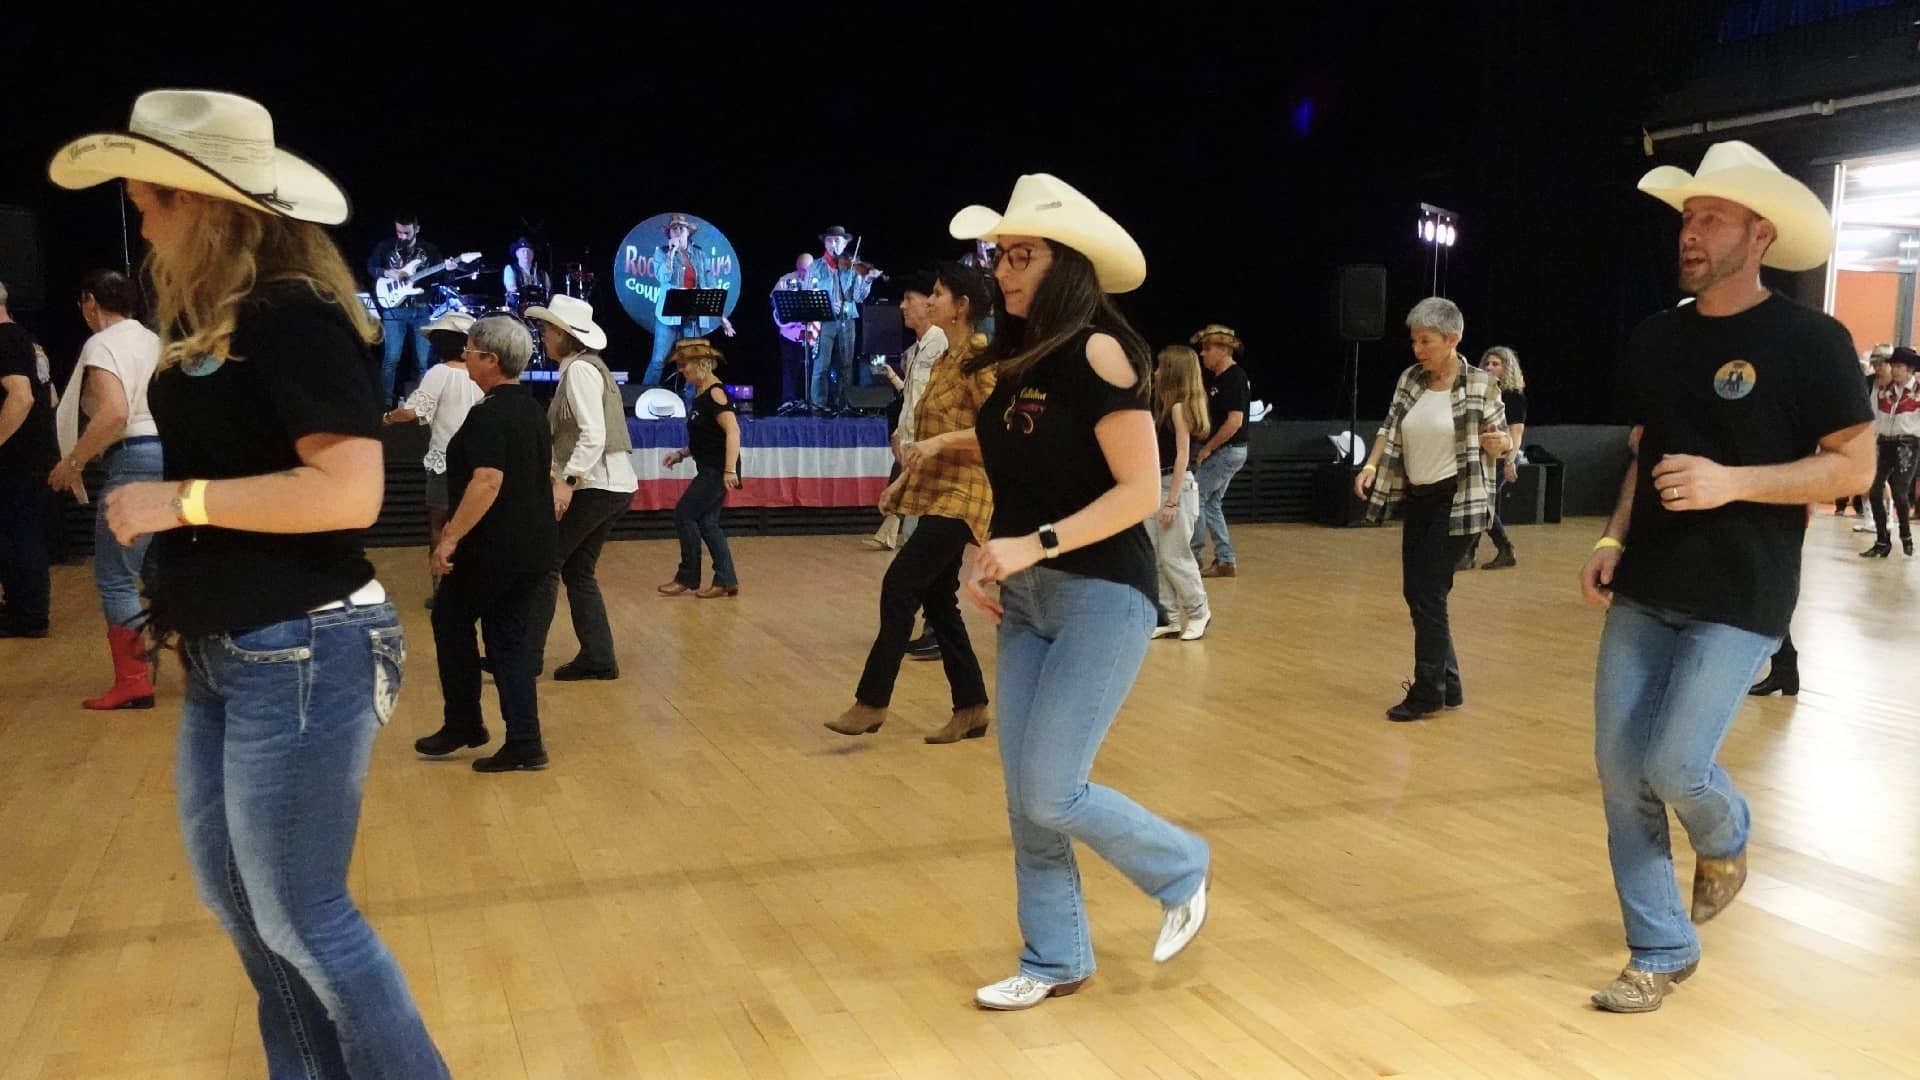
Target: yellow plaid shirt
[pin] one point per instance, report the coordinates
(948, 486)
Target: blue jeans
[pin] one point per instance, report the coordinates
(116, 569)
(1070, 647)
(696, 517)
(397, 327)
(664, 339)
(275, 736)
(833, 363)
(1214, 474)
(1664, 695)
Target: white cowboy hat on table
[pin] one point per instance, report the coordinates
(1738, 173)
(575, 316)
(210, 143)
(1048, 207)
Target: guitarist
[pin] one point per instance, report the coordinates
(397, 258)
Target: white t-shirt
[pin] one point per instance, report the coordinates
(917, 365)
(445, 394)
(1427, 441)
(129, 351)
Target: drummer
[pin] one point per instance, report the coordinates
(525, 280)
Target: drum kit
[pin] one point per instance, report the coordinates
(479, 291)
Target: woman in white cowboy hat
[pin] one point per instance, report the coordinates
(1069, 448)
(269, 421)
(442, 400)
(593, 480)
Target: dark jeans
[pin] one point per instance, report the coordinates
(1428, 555)
(583, 532)
(793, 370)
(696, 517)
(1896, 466)
(833, 363)
(397, 327)
(925, 574)
(505, 602)
(23, 548)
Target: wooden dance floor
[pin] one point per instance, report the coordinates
(707, 884)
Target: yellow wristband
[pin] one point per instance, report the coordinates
(193, 503)
(1608, 542)
(1369, 468)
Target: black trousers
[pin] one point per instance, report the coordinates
(584, 529)
(925, 574)
(1428, 555)
(23, 548)
(1897, 459)
(506, 604)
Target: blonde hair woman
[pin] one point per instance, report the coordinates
(269, 423)
(1180, 418)
(1504, 365)
(713, 445)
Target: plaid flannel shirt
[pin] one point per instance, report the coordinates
(947, 486)
(1476, 406)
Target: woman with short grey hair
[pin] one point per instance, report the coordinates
(1431, 456)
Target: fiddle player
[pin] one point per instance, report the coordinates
(846, 286)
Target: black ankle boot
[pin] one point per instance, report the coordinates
(1782, 678)
(1906, 544)
(513, 757)
(447, 740)
(1879, 550)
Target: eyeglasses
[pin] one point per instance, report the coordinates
(465, 349)
(1017, 258)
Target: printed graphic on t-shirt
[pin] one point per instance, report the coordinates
(42, 367)
(1734, 380)
(1025, 410)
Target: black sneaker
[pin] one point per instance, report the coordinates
(512, 758)
(1413, 707)
(574, 671)
(924, 647)
(447, 740)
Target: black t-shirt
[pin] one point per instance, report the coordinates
(1045, 464)
(389, 255)
(32, 448)
(1169, 445)
(1229, 391)
(1516, 406)
(705, 437)
(299, 369)
(1758, 388)
(506, 430)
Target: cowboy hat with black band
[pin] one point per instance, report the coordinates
(1049, 208)
(1738, 173)
(210, 143)
(575, 316)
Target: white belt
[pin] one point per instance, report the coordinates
(365, 596)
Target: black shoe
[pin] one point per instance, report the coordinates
(1906, 545)
(1466, 561)
(1783, 679)
(924, 647)
(1878, 551)
(1413, 708)
(22, 630)
(574, 671)
(1502, 560)
(512, 758)
(447, 740)
(1455, 697)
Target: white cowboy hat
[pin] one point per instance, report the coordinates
(1738, 173)
(575, 316)
(454, 322)
(209, 143)
(658, 403)
(1048, 207)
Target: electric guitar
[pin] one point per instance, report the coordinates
(392, 292)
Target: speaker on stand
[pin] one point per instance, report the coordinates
(1361, 314)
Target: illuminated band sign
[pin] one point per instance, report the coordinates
(642, 261)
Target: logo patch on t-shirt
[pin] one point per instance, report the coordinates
(1025, 410)
(1734, 380)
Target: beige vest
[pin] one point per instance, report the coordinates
(566, 428)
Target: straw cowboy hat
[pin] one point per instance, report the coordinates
(453, 322)
(575, 316)
(1216, 332)
(682, 221)
(209, 143)
(698, 348)
(1048, 207)
(1738, 173)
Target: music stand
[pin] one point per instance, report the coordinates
(803, 305)
(694, 303)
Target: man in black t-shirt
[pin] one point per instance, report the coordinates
(394, 260)
(1229, 395)
(1745, 408)
(494, 553)
(28, 449)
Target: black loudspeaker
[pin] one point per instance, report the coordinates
(20, 264)
(882, 332)
(1362, 305)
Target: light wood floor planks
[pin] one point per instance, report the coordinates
(707, 884)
